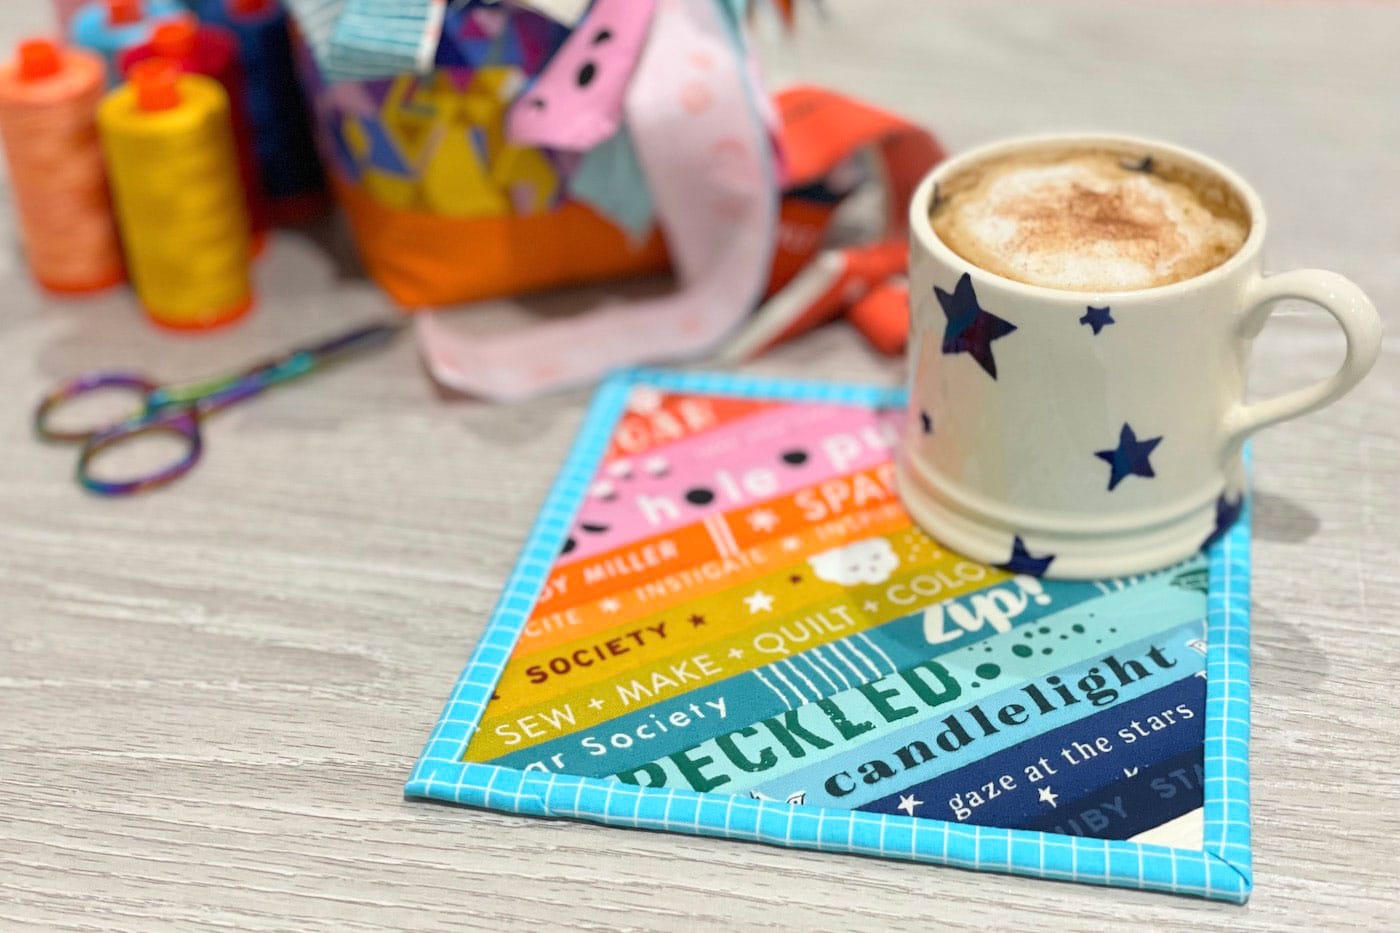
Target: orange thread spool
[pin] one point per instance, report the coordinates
(48, 105)
(169, 145)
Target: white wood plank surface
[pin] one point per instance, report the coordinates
(210, 697)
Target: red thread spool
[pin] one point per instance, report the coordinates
(213, 52)
(48, 108)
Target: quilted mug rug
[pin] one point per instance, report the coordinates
(725, 624)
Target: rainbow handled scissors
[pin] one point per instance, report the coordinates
(178, 409)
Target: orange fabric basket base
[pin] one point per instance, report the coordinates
(424, 260)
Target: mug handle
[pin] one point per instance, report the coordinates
(1360, 323)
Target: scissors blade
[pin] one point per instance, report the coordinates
(355, 340)
(211, 397)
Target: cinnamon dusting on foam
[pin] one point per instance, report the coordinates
(1080, 220)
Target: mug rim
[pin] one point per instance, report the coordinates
(924, 235)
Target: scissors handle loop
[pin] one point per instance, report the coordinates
(83, 386)
(183, 423)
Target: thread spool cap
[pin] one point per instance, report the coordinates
(156, 81)
(39, 59)
(249, 7)
(123, 12)
(175, 38)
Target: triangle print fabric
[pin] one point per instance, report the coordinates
(725, 624)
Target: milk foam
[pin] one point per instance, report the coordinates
(1085, 222)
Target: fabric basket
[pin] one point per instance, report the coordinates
(443, 207)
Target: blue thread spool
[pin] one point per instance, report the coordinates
(282, 135)
(110, 27)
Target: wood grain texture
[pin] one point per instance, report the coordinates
(210, 697)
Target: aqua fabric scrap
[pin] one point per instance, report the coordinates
(610, 180)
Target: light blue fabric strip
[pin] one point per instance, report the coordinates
(382, 38)
(361, 40)
(316, 20)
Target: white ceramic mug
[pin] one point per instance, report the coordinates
(1077, 447)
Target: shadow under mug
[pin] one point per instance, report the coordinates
(1084, 434)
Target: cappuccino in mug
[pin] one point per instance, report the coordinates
(1083, 309)
(1087, 219)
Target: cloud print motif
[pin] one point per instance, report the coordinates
(870, 561)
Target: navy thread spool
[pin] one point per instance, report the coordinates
(282, 137)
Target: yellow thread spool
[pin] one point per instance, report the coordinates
(170, 154)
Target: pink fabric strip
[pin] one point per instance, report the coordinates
(577, 101)
(707, 157)
(761, 457)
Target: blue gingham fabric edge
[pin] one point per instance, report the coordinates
(361, 40)
(1221, 870)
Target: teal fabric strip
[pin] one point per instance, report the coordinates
(813, 778)
(793, 773)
